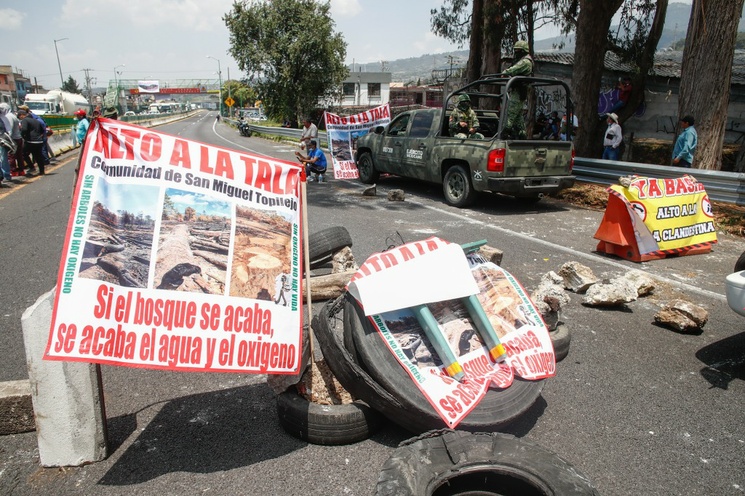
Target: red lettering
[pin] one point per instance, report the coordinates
(152, 147)
(180, 156)
(223, 165)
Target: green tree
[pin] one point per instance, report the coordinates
(71, 86)
(290, 51)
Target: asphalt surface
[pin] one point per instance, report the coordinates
(637, 408)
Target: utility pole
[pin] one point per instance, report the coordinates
(88, 85)
(61, 79)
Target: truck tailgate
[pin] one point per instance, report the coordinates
(532, 158)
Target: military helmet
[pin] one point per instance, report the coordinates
(464, 98)
(522, 45)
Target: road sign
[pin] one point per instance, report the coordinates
(229, 102)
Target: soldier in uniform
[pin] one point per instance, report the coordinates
(463, 120)
(515, 124)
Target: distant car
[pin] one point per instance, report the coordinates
(129, 112)
(154, 112)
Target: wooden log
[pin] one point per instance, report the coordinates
(211, 258)
(328, 286)
(206, 245)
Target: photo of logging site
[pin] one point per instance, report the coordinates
(193, 244)
(262, 253)
(119, 241)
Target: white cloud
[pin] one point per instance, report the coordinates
(345, 8)
(187, 14)
(12, 19)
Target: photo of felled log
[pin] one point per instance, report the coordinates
(193, 244)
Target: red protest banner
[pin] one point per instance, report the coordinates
(180, 255)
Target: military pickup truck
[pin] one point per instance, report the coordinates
(418, 144)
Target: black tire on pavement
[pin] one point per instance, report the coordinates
(323, 244)
(740, 264)
(366, 168)
(326, 424)
(457, 187)
(331, 333)
(496, 409)
(560, 338)
(460, 463)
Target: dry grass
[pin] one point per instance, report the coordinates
(727, 218)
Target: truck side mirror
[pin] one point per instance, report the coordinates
(379, 130)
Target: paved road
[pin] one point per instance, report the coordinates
(637, 408)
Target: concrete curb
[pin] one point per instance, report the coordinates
(16, 410)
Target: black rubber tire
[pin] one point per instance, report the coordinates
(323, 244)
(326, 424)
(740, 264)
(461, 463)
(332, 333)
(496, 409)
(560, 338)
(457, 187)
(366, 168)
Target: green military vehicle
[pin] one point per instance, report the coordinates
(419, 144)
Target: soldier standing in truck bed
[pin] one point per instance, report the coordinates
(515, 124)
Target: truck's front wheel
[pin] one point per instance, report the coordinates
(368, 174)
(458, 188)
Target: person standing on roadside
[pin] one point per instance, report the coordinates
(80, 131)
(685, 145)
(5, 147)
(33, 136)
(310, 132)
(14, 158)
(613, 138)
(46, 152)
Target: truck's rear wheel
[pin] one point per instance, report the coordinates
(458, 188)
(365, 166)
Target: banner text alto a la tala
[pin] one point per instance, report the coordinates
(179, 255)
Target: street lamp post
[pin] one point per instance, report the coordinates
(116, 85)
(59, 66)
(219, 77)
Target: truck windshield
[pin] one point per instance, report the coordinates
(38, 105)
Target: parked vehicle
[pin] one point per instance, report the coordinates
(56, 102)
(417, 144)
(735, 287)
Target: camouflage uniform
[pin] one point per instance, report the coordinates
(463, 113)
(515, 119)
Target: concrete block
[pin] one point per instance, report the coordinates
(67, 397)
(16, 410)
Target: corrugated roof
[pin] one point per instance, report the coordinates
(666, 65)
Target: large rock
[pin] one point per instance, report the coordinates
(611, 294)
(343, 261)
(642, 282)
(577, 277)
(396, 195)
(682, 316)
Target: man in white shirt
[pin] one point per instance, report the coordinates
(613, 138)
(310, 132)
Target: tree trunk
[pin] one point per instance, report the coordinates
(593, 24)
(706, 75)
(645, 62)
(475, 55)
(493, 35)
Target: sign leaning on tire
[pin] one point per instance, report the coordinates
(399, 356)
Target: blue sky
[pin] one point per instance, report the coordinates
(171, 39)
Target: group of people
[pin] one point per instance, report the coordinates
(683, 150)
(553, 127)
(24, 149)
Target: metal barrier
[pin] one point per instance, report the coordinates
(725, 187)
